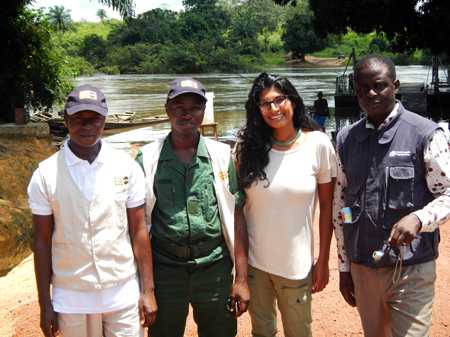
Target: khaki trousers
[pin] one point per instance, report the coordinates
(294, 302)
(402, 309)
(120, 323)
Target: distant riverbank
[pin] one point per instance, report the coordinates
(19, 157)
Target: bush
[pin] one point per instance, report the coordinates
(79, 66)
(110, 70)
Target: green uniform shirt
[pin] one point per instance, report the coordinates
(186, 212)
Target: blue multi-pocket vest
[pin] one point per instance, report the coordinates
(386, 180)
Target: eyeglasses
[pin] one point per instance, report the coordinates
(278, 101)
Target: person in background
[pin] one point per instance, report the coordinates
(391, 195)
(285, 166)
(320, 110)
(92, 254)
(197, 228)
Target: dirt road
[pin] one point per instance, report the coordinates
(19, 313)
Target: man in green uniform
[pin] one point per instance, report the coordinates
(197, 228)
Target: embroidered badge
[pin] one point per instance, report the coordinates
(121, 181)
(88, 94)
(188, 84)
(223, 175)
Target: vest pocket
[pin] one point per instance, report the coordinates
(400, 187)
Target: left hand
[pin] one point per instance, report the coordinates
(405, 230)
(147, 308)
(241, 293)
(321, 276)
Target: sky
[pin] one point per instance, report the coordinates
(87, 9)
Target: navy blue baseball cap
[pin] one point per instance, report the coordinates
(186, 85)
(86, 98)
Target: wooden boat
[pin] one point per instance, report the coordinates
(112, 125)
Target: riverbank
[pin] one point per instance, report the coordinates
(19, 156)
(318, 62)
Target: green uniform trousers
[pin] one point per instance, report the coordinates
(206, 288)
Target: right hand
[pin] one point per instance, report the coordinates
(347, 288)
(49, 321)
(147, 308)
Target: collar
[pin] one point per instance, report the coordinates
(394, 113)
(386, 131)
(72, 159)
(168, 153)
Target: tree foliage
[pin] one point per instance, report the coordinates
(125, 7)
(59, 18)
(409, 24)
(299, 37)
(207, 36)
(101, 13)
(251, 19)
(155, 26)
(32, 72)
(94, 50)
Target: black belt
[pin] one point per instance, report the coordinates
(186, 252)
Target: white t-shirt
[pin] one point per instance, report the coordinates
(280, 216)
(85, 177)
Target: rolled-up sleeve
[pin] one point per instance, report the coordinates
(234, 186)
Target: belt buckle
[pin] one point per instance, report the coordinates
(183, 252)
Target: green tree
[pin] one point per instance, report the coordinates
(33, 72)
(204, 20)
(101, 13)
(59, 18)
(409, 24)
(154, 26)
(94, 49)
(299, 37)
(125, 7)
(256, 17)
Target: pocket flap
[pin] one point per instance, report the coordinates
(401, 172)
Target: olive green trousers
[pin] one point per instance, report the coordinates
(206, 289)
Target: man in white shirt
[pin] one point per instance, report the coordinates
(87, 202)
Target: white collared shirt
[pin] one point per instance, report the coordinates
(85, 176)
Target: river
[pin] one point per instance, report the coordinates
(146, 94)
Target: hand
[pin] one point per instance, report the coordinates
(347, 288)
(49, 321)
(405, 230)
(240, 293)
(147, 308)
(320, 276)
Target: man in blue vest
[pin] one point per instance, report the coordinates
(392, 192)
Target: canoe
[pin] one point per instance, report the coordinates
(58, 128)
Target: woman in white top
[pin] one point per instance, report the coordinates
(285, 165)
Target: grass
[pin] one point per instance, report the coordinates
(102, 29)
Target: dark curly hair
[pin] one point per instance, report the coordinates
(254, 139)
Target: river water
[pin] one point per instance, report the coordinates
(146, 94)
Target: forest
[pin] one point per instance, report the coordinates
(208, 36)
(45, 49)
